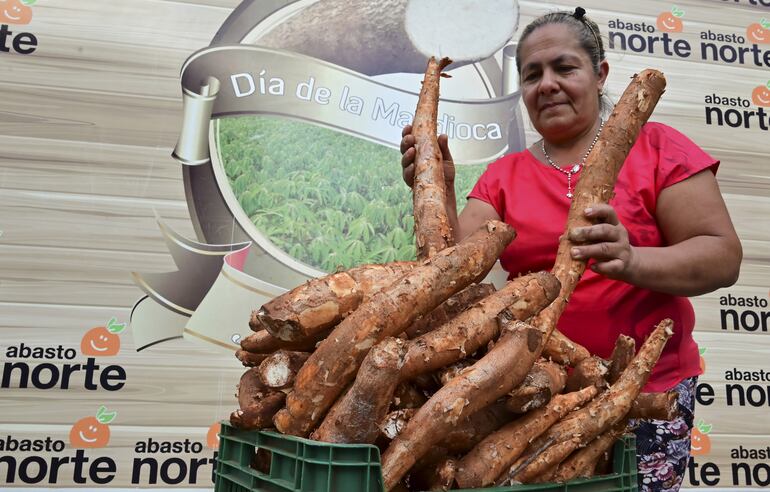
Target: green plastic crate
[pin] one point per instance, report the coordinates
(302, 465)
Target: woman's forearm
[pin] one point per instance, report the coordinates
(692, 267)
(474, 215)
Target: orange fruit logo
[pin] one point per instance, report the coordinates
(16, 11)
(702, 360)
(700, 442)
(761, 95)
(670, 21)
(759, 32)
(103, 340)
(212, 436)
(92, 432)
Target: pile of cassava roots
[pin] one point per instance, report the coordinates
(459, 384)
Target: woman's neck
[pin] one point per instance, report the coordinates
(565, 152)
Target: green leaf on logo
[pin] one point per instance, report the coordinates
(703, 426)
(114, 327)
(28, 2)
(702, 351)
(764, 23)
(105, 417)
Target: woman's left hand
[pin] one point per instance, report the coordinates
(606, 243)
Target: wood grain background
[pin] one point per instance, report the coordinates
(87, 126)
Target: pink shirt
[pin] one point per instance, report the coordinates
(531, 196)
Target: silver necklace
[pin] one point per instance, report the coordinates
(576, 167)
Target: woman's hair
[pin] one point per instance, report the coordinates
(587, 32)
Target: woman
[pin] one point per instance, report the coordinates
(664, 236)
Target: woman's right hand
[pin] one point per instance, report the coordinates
(408, 152)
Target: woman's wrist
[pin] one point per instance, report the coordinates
(633, 274)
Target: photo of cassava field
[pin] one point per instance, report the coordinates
(327, 199)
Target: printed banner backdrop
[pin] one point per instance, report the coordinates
(166, 167)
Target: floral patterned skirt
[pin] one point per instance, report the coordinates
(663, 447)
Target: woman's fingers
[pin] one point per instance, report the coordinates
(408, 154)
(599, 251)
(407, 158)
(407, 142)
(408, 175)
(601, 212)
(443, 144)
(606, 243)
(612, 268)
(595, 233)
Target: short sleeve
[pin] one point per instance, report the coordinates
(488, 188)
(678, 157)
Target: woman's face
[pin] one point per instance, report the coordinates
(559, 87)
